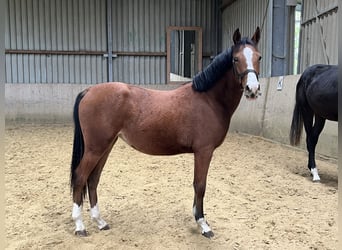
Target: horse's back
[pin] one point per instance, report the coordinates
(321, 82)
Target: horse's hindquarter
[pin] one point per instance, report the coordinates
(322, 93)
(102, 113)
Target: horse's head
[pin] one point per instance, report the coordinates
(246, 63)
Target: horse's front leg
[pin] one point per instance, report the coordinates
(202, 161)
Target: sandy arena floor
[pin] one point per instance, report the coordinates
(259, 196)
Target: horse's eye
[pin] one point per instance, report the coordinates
(260, 58)
(235, 59)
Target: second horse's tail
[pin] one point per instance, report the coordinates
(78, 147)
(297, 117)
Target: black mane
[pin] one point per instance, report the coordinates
(207, 78)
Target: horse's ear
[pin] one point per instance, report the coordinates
(256, 36)
(236, 36)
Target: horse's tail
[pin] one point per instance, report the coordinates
(78, 147)
(297, 117)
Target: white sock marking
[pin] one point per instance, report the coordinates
(315, 175)
(77, 217)
(204, 226)
(95, 215)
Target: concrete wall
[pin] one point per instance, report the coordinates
(269, 116)
(45, 102)
(40, 102)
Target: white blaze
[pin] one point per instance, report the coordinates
(252, 81)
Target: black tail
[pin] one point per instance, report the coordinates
(78, 147)
(297, 117)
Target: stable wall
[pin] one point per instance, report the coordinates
(269, 116)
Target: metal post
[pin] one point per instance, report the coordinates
(109, 41)
(217, 39)
(290, 23)
(268, 31)
(278, 38)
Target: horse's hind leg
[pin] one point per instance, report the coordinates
(93, 182)
(86, 166)
(311, 145)
(202, 161)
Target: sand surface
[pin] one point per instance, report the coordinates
(259, 196)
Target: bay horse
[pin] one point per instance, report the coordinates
(316, 101)
(193, 118)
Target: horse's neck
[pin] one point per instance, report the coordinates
(227, 92)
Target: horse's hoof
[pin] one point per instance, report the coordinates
(81, 233)
(208, 234)
(106, 227)
(315, 176)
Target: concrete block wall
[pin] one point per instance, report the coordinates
(45, 103)
(269, 116)
(40, 102)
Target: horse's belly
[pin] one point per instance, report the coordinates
(155, 145)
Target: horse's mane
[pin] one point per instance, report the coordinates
(207, 78)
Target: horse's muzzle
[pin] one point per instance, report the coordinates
(252, 93)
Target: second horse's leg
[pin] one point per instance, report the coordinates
(311, 146)
(202, 161)
(308, 116)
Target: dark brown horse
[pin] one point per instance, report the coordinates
(193, 118)
(316, 101)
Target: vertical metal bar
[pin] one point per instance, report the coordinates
(216, 27)
(279, 39)
(268, 61)
(291, 19)
(109, 41)
(181, 64)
